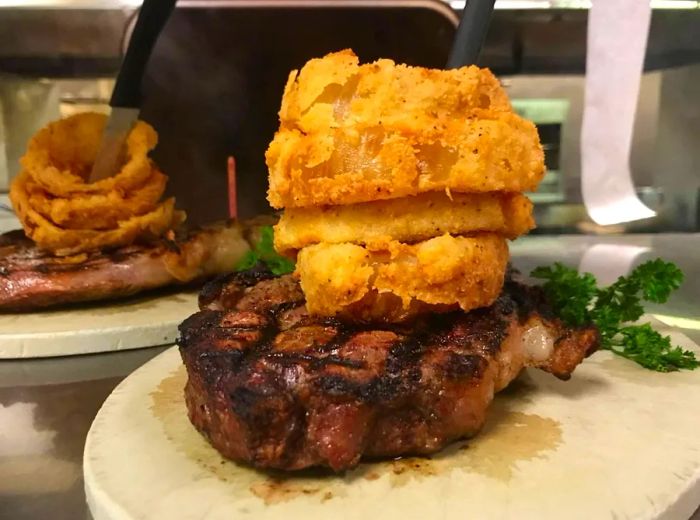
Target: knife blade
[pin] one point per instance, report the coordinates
(126, 95)
(111, 152)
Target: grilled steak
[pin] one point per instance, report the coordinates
(271, 386)
(31, 278)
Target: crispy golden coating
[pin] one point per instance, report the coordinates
(353, 133)
(494, 152)
(65, 215)
(60, 156)
(347, 280)
(95, 210)
(63, 242)
(337, 91)
(408, 219)
(400, 186)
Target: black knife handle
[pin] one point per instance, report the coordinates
(471, 33)
(150, 22)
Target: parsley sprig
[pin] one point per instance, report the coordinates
(264, 252)
(577, 300)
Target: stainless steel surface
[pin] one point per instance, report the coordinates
(568, 90)
(576, 4)
(47, 405)
(527, 36)
(455, 4)
(46, 408)
(664, 155)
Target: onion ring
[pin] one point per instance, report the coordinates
(95, 210)
(60, 156)
(353, 133)
(63, 242)
(337, 91)
(444, 272)
(408, 219)
(65, 215)
(498, 151)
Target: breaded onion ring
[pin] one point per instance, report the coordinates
(352, 134)
(64, 242)
(363, 284)
(336, 90)
(65, 215)
(60, 156)
(408, 219)
(498, 151)
(98, 211)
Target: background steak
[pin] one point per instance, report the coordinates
(32, 279)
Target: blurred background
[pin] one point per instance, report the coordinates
(215, 80)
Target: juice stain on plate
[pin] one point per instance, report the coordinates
(508, 437)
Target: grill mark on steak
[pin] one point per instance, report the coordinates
(32, 279)
(274, 387)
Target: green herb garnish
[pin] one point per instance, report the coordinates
(264, 252)
(578, 300)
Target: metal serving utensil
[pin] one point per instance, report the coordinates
(126, 96)
(471, 32)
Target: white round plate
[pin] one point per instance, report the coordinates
(134, 323)
(616, 441)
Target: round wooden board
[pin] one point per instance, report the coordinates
(616, 441)
(134, 323)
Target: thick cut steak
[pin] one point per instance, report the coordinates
(32, 279)
(271, 386)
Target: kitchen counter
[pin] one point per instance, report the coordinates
(47, 405)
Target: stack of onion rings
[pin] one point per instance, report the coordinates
(400, 186)
(66, 215)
